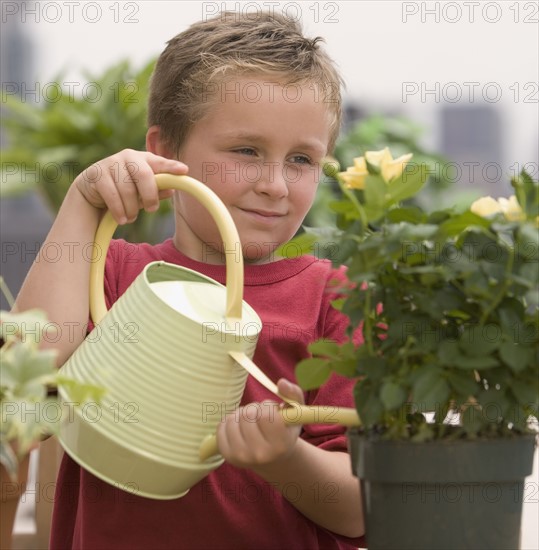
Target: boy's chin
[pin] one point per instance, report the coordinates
(254, 260)
(259, 254)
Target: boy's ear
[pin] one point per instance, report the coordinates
(154, 143)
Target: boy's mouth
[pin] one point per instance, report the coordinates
(263, 215)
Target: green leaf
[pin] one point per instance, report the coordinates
(298, 246)
(392, 395)
(345, 367)
(338, 303)
(477, 285)
(457, 313)
(430, 389)
(368, 405)
(532, 297)
(312, 373)
(413, 232)
(530, 273)
(410, 214)
(30, 322)
(26, 369)
(463, 382)
(346, 248)
(373, 169)
(407, 185)
(375, 191)
(375, 197)
(528, 242)
(516, 356)
(478, 341)
(527, 193)
(481, 362)
(463, 222)
(448, 353)
(527, 394)
(373, 367)
(327, 348)
(342, 207)
(510, 312)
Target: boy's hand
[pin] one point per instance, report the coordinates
(124, 183)
(256, 435)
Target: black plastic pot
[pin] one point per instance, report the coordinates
(442, 495)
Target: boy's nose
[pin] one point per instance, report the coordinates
(274, 181)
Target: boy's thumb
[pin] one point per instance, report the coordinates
(290, 390)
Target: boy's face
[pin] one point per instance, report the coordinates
(259, 147)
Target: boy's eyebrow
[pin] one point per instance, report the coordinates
(312, 144)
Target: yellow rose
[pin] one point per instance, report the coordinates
(487, 206)
(390, 168)
(511, 209)
(354, 177)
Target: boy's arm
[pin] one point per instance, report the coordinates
(122, 183)
(273, 450)
(328, 493)
(60, 287)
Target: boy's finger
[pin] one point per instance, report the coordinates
(158, 165)
(138, 188)
(127, 184)
(112, 200)
(292, 391)
(146, 191)
(161, 165)
(162, 195)
(166, 194)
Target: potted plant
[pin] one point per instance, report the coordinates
(30, 410)
(448, 371)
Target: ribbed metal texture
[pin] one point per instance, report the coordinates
(168, 381)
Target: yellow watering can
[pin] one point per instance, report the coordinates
(152, 434)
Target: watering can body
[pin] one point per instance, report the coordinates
(163, 357)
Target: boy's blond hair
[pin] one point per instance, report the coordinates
(197, 61)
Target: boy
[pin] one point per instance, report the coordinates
(248, 105)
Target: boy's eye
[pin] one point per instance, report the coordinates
(301, 159)
(245, 151)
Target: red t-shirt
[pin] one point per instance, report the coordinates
(231, 508)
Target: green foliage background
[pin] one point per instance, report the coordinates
(63, 138)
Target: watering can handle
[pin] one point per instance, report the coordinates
(227, 230)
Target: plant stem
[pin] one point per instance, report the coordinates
(358, 206)
(367, 324)
(6, 292)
